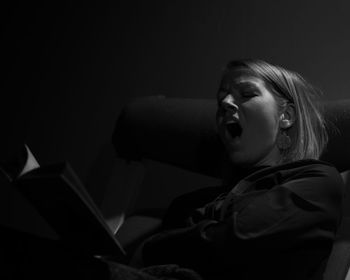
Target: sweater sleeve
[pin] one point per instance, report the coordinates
(308, 202)
(304, 208)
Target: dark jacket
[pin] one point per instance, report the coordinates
(277, 223)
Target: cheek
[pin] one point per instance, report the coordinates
(263, 122)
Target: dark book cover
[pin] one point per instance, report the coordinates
(61, 199)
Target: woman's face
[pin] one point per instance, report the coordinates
(248, 119)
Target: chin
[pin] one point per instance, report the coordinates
(247, 160)
(240, 159)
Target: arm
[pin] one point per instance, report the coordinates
(303, 208)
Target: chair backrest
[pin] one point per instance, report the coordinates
(182, 132)
(338, 263)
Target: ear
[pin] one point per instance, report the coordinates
(287, 118)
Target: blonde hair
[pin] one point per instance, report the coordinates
(309, 137)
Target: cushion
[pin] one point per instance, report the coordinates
(182, 132)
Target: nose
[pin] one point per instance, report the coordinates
(229, 103)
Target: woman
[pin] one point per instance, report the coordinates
(278, 219)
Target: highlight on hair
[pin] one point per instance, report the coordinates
(308, 133)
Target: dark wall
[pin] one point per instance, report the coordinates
(70, 68)
(180, 48)
(61, 85)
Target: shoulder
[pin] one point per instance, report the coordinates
(315, 180)
(310, 169)
(305, 175)
(301, 168)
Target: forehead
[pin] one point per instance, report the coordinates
(236, 77)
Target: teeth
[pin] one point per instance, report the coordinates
(231, 121)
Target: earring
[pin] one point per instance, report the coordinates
(283, 140)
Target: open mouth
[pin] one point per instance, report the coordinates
(234, 129)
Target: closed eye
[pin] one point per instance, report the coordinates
(248, 90)
(249, 94)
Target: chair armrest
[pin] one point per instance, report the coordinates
(136, 229)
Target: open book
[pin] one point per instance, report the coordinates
(60, 198)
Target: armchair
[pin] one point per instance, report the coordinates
(182, 132)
